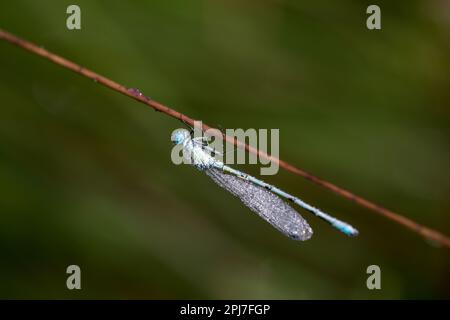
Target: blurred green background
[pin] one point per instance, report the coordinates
(86, 176)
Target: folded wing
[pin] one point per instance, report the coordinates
(266, 204)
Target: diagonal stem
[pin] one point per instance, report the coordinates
(424, 231)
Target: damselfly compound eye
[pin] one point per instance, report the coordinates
(179, 135)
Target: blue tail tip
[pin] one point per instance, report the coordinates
(347, 229)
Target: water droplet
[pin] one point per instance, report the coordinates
(134, 91)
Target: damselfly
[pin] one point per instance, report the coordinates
(260, 197)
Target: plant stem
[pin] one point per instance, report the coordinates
(426, 232)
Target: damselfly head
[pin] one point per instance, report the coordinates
(179, 135)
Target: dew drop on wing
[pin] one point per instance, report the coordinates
(266, 204)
